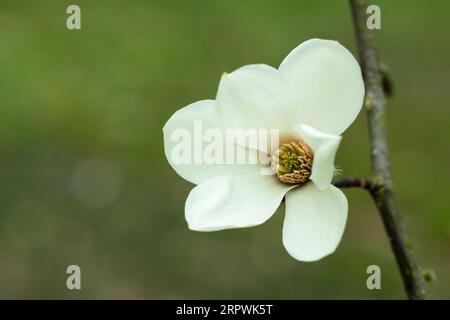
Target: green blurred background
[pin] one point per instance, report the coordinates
(84, 180)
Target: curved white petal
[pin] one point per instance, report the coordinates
(226, 202)
(186, 143)
(328, 82)
(314, 222)
(324, 146)
(256, 97)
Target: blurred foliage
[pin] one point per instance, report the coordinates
(84, 179)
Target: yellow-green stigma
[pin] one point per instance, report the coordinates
(292, 162)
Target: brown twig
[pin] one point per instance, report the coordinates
(382, 190)
(359, 182)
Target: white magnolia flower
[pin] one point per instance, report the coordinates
(313, 96)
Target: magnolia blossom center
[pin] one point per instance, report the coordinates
(292, 162)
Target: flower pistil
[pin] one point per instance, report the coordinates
(292, 162)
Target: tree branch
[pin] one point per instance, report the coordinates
(359, 182)
(384, 197)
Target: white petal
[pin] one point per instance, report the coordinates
(328, 82)
(226, 202)
(314, 221)
(256, 97)
(324, 146)
(185, 122)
